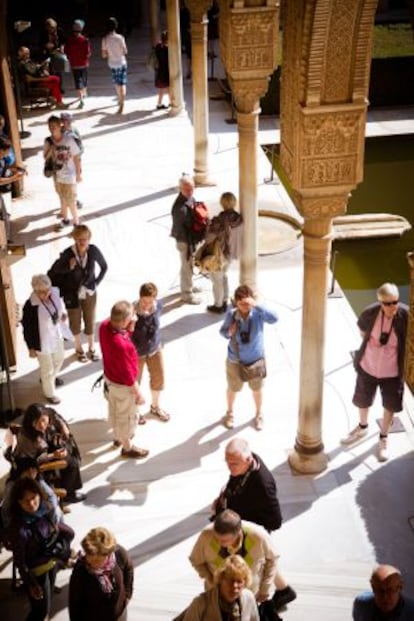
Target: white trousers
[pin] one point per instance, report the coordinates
(50, 365)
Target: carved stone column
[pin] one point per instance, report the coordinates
(409, 350)
(154, 10)
(249, 32)
(174, 58)
(198, 11)
(326, 57)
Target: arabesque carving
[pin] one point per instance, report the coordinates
(320, 206)
(247, 93)
(409, 352)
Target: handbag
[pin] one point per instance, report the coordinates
(49, 167)
(152, 61)
(209, 257)
(252, 371)
(247, 372)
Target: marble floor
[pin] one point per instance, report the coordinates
(338, 524)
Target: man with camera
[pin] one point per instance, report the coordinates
(379, 363)
(243, 326)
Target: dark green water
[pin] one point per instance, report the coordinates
(388, 187)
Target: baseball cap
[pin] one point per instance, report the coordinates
(66, 116)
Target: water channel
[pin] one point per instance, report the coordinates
(388, 187)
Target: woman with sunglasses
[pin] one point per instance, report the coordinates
(379, 363)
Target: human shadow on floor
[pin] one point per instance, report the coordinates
(182, 457)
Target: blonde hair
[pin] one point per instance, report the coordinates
(228, 200)
(234, 567)
(41, 282)
(81, 229)
(99, 541)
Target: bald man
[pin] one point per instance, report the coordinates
(386, 600)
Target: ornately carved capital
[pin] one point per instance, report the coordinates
(313, 207)
(198, 9)
(247, 93)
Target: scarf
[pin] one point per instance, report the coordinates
(104, 574)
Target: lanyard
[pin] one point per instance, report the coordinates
(53, 316)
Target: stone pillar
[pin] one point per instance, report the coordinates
(409, 351)
(154, 19)
(174, 58)
(326, 56)
(198, 11)
(248, 48)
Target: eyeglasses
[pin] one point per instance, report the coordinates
(392, 303)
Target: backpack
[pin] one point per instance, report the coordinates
(209, 257)
(199, 222)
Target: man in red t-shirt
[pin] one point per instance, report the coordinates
(120, 363)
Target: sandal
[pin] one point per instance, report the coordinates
(160, 414)
(228, 420)
(92, 355)
(142, 420)
(81, 356)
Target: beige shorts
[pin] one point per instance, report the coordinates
(122, 410)
(235, 384)
(86, 309)
(66, 193)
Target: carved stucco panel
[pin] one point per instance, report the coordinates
(198, 9)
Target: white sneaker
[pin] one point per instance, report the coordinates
(354, 435)
(382, 449)
(190, 299)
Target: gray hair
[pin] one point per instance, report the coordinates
(41, 282)
(186, 178)
(388, 289)
(238, 446)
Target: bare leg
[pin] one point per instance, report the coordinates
(258, 399)
(230, 400)
(155, 394)
(363, 416)
(386, 421)
(78, 343)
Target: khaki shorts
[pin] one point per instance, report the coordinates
(122, 410)
(66, 193)
(235, 384)
(86, 309)
(155, 364)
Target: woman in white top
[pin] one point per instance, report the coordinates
(115, 50)
(43, 314)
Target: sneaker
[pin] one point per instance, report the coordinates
(190, 299)
(216, 309)
(160, 414)
(75, 497)
(356, 434)
(134, 453)
(63, 223)
(81, 104)
(258, 422)
(228, 420)
(382, 449)
(283, 597)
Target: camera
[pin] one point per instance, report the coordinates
(383, 339)
(245, 337)
(55, 318)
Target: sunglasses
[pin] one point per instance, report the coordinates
(393, 303)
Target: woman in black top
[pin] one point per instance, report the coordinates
(74, 274)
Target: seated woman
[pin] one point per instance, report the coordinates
(38, 545)
(229, 599)
(101, 584)
(29, 468)
(46, 437)
(38, 74)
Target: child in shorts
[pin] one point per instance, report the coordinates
(147, 340)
